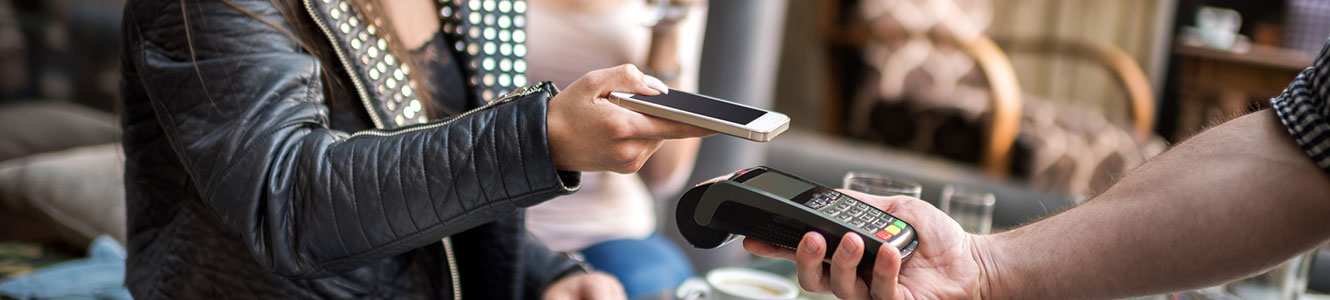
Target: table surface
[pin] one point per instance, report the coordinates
(1260, 55)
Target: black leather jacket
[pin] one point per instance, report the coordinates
(242, 182)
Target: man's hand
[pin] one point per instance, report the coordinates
(594, 285)
(945, 266)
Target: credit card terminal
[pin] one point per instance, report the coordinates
(777, 207)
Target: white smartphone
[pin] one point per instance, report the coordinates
(719, 115)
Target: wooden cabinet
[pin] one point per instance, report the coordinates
(1215, 86)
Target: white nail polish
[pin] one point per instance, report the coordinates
(656, 84)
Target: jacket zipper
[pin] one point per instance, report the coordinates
(519, 93)
(447, 242)
(360, 87)
(452, 268)
(378, 123)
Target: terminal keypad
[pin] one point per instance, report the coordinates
(857, 215)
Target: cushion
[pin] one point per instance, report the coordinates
(79, 191)
(42, 126)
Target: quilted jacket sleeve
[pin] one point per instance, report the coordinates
(246, 115)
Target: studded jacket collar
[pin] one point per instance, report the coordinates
(487, 36)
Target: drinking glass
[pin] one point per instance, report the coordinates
(973, 209)
(1211, 293)
(1287, 281)
(879, 185)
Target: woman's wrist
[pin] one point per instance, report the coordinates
(663, 57)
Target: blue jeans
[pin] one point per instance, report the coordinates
(99, 276)
(644, 266)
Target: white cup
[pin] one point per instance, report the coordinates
(738, 284)
(1218, 27)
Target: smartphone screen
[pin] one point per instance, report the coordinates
(706, 106)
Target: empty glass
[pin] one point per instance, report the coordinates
(971, 208)
(878, 185)
(1287, 281)
(1211, 293)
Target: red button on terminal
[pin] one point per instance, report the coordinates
(885, 236)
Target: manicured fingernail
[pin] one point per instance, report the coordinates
(656, 84)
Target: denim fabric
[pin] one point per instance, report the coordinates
(99, 276)
(644, 266)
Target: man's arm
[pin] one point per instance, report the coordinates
(1232, 201)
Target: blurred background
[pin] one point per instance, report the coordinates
(1041, 102)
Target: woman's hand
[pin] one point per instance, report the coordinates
(594, 285)
(588, 132)
(945, 266)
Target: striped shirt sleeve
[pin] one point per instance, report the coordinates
(1303, 110)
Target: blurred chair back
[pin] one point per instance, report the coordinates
(930, 80)
(931, 52)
